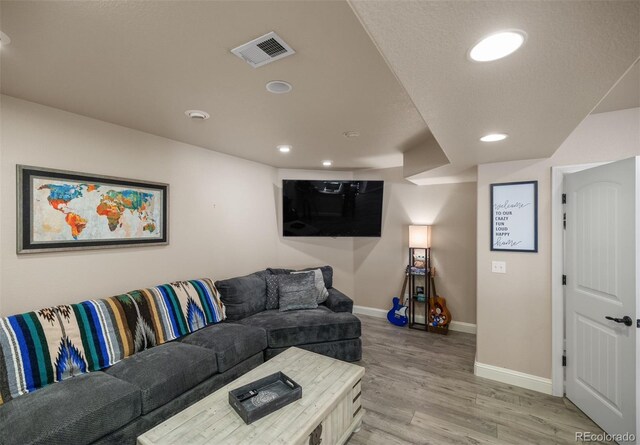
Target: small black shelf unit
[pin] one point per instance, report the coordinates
(419, 277)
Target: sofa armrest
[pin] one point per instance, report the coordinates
(339, 302)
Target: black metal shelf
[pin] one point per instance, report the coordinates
(417, 279)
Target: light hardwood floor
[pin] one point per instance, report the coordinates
(419, 388)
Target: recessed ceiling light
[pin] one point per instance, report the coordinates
(279, 87)
(197, 115)
(494, 137)
(4, 39)
(327, 163)
(351, 134)
(498, 45)
(284, 148)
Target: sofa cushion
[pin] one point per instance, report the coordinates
(338, 302)
(347, 350)
(78, 410)
(53, 344)
(297, 291)
(294, 328)
(184, 307)
(243, 296)
(327, 273)
(28, 358)
(164, 372)
(279, 271)
(163, 313)
(232, 343)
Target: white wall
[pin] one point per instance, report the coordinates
(222, 211)
(225, 218)
(514, 309)
(371, 270)
(303, 252)
(379, 263)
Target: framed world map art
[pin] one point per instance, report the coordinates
(62, 210)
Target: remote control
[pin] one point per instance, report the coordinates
(247, 395)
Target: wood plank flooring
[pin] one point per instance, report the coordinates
(419, 388)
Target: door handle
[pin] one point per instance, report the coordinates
(626, 320)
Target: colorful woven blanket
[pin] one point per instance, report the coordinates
(52, 344)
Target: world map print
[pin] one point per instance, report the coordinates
(68, 210)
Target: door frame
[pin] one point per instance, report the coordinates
(557, 270)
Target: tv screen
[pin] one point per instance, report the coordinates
(332, 208)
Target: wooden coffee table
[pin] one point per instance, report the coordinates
(330, 401)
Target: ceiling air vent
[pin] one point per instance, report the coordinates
(266, 49)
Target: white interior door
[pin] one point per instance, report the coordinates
(600, 265)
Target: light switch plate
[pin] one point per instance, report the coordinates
(498, 267)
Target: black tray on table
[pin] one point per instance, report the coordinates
(274, 392)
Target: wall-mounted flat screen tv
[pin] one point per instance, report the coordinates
(332, 208)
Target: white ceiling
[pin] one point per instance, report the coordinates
(625, 94)
(142, 64)
(575, 52)
(383, 71)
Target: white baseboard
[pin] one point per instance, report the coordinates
(463, 326)
(459, 326)
(370, 311)
(512, 377)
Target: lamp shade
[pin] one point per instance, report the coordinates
(420, 237)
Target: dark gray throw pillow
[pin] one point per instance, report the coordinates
(322, 292)
(297, 291)
(327, 273)
(272, 291)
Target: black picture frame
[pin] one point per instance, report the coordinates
(26, 243)
(513, 224)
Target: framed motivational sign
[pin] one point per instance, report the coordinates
(514, 216)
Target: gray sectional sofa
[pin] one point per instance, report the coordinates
(117, 404)
(330, 329)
